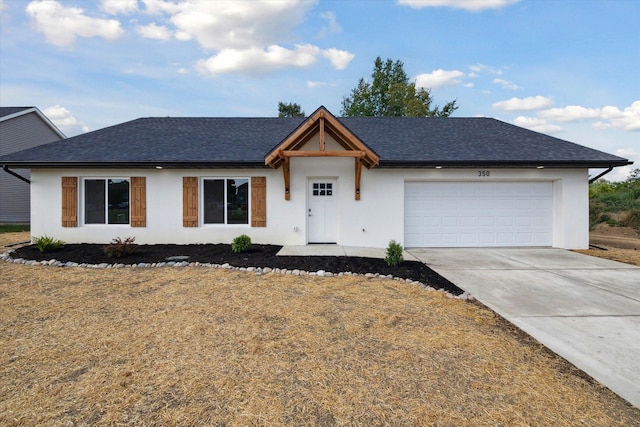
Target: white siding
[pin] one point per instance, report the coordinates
(373, 221)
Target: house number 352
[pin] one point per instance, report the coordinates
(484, 173)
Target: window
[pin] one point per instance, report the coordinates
(106, 201)
(322, 189)
(226, 201)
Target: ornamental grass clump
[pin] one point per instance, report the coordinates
(393, 255)
(241, 243)
(119, 248)
(46, 243)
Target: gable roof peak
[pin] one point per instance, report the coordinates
(321, 122)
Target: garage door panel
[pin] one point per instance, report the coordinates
(486, 239)
(487, 221)
(462, 214)
(447, 221)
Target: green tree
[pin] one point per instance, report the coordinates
(290, 109)
(391, 94)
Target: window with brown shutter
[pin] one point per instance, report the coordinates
(190, 201)
(258, 201)
(69, 201)
(138, 201)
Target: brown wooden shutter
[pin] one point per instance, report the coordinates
(190, 201)
(138, 201)
(69, 201)
(258, 201)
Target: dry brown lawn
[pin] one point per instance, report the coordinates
(628, 256)
(197, 346)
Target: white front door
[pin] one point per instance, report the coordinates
(322, 210)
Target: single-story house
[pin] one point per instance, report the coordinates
(21, 128)
(424, 182)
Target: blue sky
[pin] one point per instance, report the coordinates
(568, 68)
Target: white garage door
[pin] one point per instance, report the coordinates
(477, 214)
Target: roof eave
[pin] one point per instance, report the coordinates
(136, 165)
(505, 164)
(26, 164)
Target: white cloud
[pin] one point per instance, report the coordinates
(61, 25)
(506, 84)
(332, 25)
(153, 31)
(439, 78)
(524, 104)
(312, 84)
(570, 113)
(64, 120)
(258, 61)
(339, 58)
(627, 119)
(608, 116)
(482, 68)
(238, 25)
(156, 7)
(472, 5)
(247, 35)
(536, 124)
(115, 7)
(626, 152)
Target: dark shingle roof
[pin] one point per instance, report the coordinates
(7, 111)
(229, 142)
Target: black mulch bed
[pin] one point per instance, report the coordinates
(257, 256)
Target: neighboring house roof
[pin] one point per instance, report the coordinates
(245, 142)
(8, 113)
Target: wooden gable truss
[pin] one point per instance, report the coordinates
(321, 123)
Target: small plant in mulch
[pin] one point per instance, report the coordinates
(393, 255)
(241, 243)
(119, 248)
(47, 244)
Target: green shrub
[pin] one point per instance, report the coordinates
(614, 197)
(119, 248)
(46, 243)
(394, 254)
(241, 243)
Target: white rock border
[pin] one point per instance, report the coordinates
(258, 271)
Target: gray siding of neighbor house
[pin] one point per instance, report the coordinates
(17, 134)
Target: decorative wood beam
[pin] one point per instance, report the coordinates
(287, 179)
(330, 153)
(322, 133)
(358, 176)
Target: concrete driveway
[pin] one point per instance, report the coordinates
(583, 308)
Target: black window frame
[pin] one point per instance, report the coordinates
(112, 208)
(227, 205)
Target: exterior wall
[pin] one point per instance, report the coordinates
(16, 134)
(372, 221)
